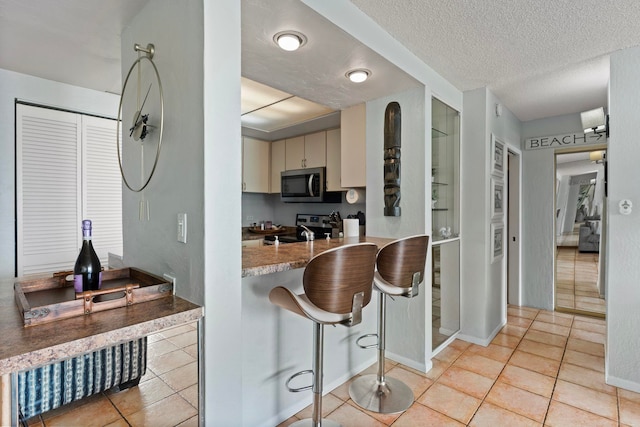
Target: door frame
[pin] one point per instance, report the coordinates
(603, 225)
(513, 274)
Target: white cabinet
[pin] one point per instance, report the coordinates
(315, 149)
(445, 215)
(255, 165)
(333, 160)
(294, 153)
(277, 164)
(445, 171)
(308, 151)
(353, 147)
(445, 290)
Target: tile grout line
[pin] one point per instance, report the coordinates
(505, 365)
(466, 350)
(564, 351)
(118, 410)
(494, 381)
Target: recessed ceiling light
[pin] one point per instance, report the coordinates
(290, 40)
(359, 75)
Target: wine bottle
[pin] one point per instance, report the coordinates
(87, 274)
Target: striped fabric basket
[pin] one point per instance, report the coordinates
(54, 385)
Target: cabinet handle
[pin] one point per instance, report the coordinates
(244, 186)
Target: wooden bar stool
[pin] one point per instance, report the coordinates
(337, 285)
(400, 270)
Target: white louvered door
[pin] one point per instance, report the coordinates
(65, 172)
(102, 189)
(48, 189)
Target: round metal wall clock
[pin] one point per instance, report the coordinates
(140, 121)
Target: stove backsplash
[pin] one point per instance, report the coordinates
(263, 207)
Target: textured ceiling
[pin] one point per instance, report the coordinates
(316, 71)
(541, 58)
(69, 41)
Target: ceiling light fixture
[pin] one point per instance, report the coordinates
(290, 40)
(359, 75)
(597, 156)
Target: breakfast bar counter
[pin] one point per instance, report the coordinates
(261, 260)
(277, 343)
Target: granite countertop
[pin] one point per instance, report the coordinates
(285, 230)
(268, 259)
(26, 347)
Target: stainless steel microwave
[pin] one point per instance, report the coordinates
(306, 186)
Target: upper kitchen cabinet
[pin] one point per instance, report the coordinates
(277, 164)
(333, 161)
(445, 171)
(256, 155)
(308, 151)
(353, 147)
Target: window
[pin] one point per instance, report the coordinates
(66, 170)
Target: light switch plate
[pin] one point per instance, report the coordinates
(182, 227)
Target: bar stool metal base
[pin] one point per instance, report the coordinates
(308, 422)
(388, 397)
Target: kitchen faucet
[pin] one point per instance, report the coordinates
(310, 235)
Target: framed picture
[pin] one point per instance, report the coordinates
(497, 241)
(497, 156)
(497, 198)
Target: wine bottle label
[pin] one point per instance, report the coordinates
(77, 283)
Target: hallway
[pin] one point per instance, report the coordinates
(543, 368)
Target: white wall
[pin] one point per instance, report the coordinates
(483, 283)
(198, 55)
(44, 92)
(269, 207)
(408, 320)
(538, 215)
(473, 215)
(177, 185)
(222, 196)
(623, 236)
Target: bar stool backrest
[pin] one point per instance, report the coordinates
(399, 260)
(332, 278)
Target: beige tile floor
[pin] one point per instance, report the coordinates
(543, 368)
(167, 394)
(576, 281)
